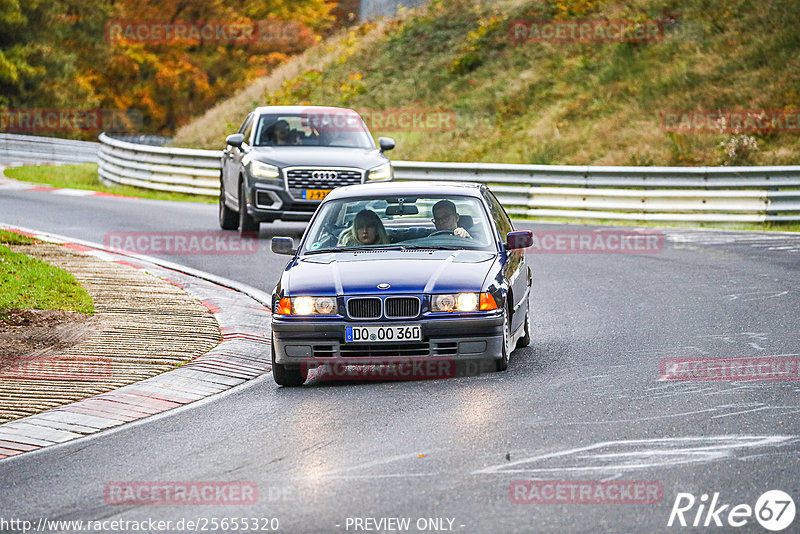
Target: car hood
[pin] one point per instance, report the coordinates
(359, 273)
(319, 156)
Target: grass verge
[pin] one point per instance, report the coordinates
(556, 102)
(28, 283)
(84, 176)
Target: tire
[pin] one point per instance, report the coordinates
(291, 378)
(502, 363)
(228, 219)
(247, 226)
(525, 340)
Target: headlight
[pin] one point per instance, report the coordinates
(307, 306)
(443, 303)
(467, 302)
(259, 169)
(462, 302)
(379, 173)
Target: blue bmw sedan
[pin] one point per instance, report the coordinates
(401, 271)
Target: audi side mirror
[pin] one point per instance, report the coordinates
(520, 239)
(283, 245)
(235, 140)
(386, 143)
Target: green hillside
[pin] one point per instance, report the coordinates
(598, 103)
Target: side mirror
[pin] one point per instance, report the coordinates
(521, 239)
(386, 143)
(283, 245)
(235, 140)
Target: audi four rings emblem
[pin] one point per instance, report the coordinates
(324, 175)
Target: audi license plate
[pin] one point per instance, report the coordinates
(315, 194)
(382, 333)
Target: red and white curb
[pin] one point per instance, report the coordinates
(243, 354)
(14, 185)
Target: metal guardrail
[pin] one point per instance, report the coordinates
(697, 194)
(181, 170)
(31, 149)
(693, 194)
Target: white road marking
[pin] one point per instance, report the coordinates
(73, 192)
(342, 472)
(628, 455)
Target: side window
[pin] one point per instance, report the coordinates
(247, 128)
(501, 220)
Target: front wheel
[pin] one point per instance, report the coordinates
(228, 219)
(525, 340)
(287, 377)
(502, 363)
(248, 227)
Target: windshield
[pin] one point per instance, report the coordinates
(429, 222)
(339, 129)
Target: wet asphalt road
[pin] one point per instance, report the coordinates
(583, 403)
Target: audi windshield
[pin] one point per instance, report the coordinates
(313, 129)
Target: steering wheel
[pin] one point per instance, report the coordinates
(442, 232)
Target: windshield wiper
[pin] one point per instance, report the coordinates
(434, 247)
(345, 249)
(325, 250)
(397, 246)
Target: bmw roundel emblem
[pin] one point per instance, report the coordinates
(383, 285)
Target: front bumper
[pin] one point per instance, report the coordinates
(300, 342)
(267, 203)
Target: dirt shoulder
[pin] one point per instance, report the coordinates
(32, 334)
(142, 326)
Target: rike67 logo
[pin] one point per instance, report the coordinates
(774, 510)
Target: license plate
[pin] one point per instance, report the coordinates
(315, 194)
(382, 333)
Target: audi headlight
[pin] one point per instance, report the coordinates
(380, 173)
(462, 302)
(307, 306)
(260, 169)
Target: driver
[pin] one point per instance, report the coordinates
(445, 217)
(283, 136)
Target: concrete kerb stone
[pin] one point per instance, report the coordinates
(243, 315)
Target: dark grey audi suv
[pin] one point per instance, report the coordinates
(285, 159)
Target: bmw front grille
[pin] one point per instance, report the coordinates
(391, 307)
(364, 308)
(402, 307)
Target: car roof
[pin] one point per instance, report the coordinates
(300, 109)
(406, 188)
